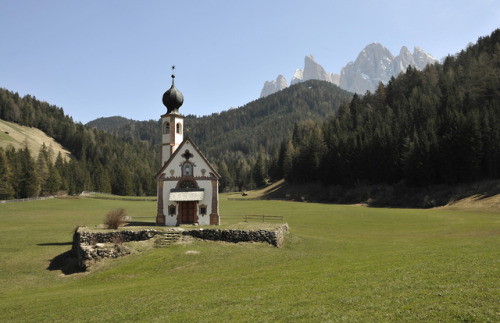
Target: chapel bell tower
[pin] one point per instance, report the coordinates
(172, 122)
(187, 182)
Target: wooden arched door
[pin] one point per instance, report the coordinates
(188, 212)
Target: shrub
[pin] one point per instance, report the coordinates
(115, 219)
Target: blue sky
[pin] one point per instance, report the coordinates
(105, 58)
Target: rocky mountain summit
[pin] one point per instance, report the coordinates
(313, 71)
(274, 86)
(374, 64)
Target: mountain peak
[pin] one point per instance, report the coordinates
(422, 58)
(310, 58)
(404, 51)
(374, 64)
(274, 86)
(297, 77)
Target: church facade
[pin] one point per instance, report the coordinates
(187, 183)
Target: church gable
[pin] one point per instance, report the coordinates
(187, 161)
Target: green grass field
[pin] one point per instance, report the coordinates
(339, 263)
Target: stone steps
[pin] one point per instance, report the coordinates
(168, 238)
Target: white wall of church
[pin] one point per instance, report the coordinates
(207, 200)
(171, 124)
(170, 221)
(179, 130)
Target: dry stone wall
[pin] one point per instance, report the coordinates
(276, 238)
(89, 247)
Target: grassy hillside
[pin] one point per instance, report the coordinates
(18, 136)
(338, 263)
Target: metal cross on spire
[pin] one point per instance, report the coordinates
(173, 74)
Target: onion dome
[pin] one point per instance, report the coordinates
(173, 98)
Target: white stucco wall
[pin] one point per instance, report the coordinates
(166, 136)
(207, 200)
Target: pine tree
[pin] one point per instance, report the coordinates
(275, 170)
(102, 180)
(259, 172)
(226, 180)
(42, 168)
(54, 181)
(28, 182)
(6, 190)
(288, 161)
(122, 182)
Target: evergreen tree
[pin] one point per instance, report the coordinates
(242, 172)
(42, 168)
(122, 182)
(6, 190)
(259, 172)
(54, 181)
(102, 180)
(226, 180)
(28, 182)
(275, 171)
(62, 169)
(288, 161)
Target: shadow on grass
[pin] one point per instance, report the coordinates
(66, 263)
(55, 244)
(489, 193)
(140, 224)
(384, 195)
(274, 189)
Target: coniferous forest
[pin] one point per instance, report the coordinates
(436, 126)
(99, 161)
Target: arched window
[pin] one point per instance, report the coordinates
(166, 127)
(179, 128)
(187, 184)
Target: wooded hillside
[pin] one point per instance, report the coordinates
(100, 161)
(437, 126)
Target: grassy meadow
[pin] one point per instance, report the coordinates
(339, 263)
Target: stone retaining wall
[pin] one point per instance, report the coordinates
(87, 237)
(275, 238)
(89, 247)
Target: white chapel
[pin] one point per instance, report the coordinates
(187, 183)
